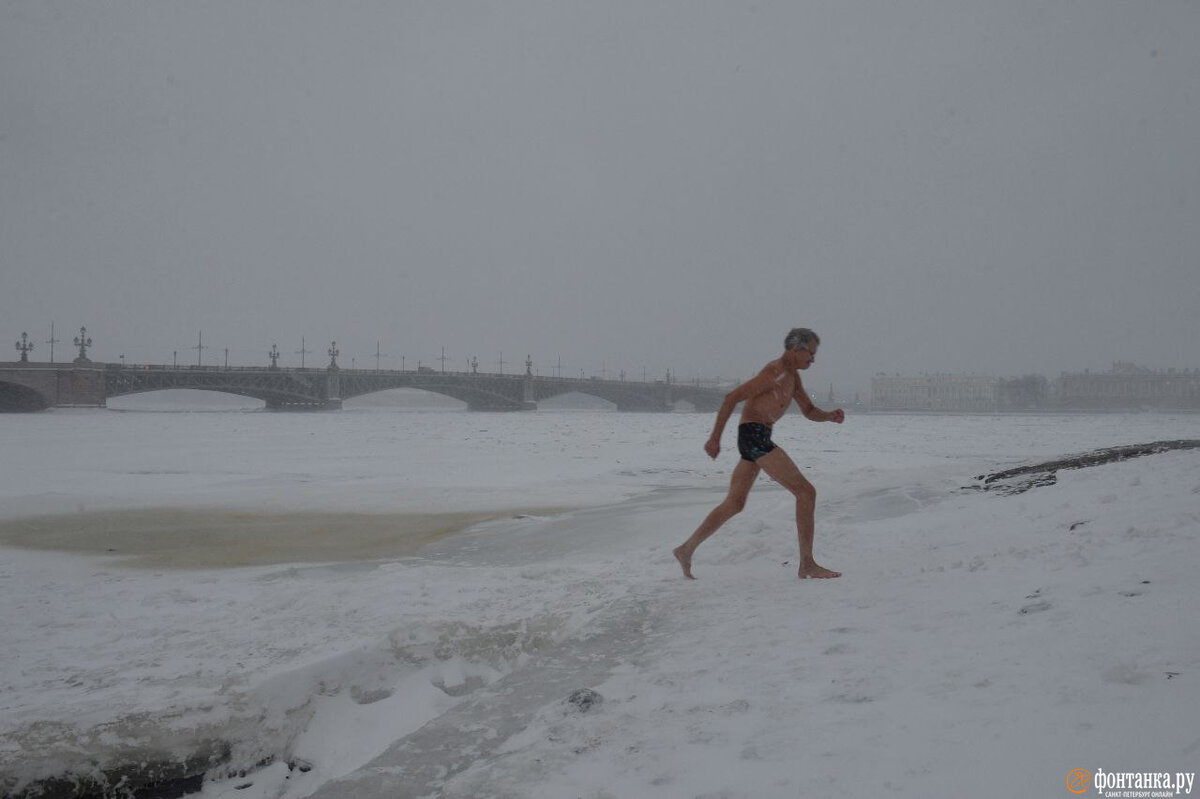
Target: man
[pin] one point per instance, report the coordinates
(766, 398)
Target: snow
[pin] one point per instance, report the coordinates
(977, 643)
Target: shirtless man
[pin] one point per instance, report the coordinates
(766, 398)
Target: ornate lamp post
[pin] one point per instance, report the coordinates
(274, 356)
(82, 342)
(333, 353)
(25, 346)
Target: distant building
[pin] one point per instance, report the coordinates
(1128, 386)
(937, 392)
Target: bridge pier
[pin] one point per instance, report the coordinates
(324, 394)
(495, 405)
(312, 405)
(26, 386)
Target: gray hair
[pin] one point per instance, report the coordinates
(801, 337)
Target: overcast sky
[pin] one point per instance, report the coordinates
(1000, 187)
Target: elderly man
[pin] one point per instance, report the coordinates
(765, 399)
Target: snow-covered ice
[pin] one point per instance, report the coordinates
(978, 644)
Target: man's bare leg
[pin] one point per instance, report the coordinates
(744, 475)
(783, 470)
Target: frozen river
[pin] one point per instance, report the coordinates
(359, 592)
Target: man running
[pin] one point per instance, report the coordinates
(766, 398)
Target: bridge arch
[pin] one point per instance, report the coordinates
(405, 397)
(184, 399)
(576, 400)
(234, 391)
(626, 396)
(480, 392)
(16, 398)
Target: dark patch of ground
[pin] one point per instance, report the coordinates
(1022, 478)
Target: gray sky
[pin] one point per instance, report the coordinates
(933, 185)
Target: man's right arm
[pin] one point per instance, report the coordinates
(713, 445)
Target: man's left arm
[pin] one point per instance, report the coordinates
(811, 411)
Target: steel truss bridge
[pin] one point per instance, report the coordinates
(35, 386)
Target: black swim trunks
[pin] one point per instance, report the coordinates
(754, 440)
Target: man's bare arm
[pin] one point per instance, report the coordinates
(713, 445)
(811, 411)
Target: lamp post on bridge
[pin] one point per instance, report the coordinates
(274, 356)
(302, 351)
(52, 341)
(378, 355)
(200, 348)
(82, 341)
(25, 346)
(333, 353)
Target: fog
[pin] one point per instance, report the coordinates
(1001, 188)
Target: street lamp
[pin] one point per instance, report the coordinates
(25, 346)
(82, 341)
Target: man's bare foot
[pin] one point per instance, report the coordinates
(685, 560)
(814, 572)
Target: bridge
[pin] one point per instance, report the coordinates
(28, 386)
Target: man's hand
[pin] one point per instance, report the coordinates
(713, 447)
(838, 416)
